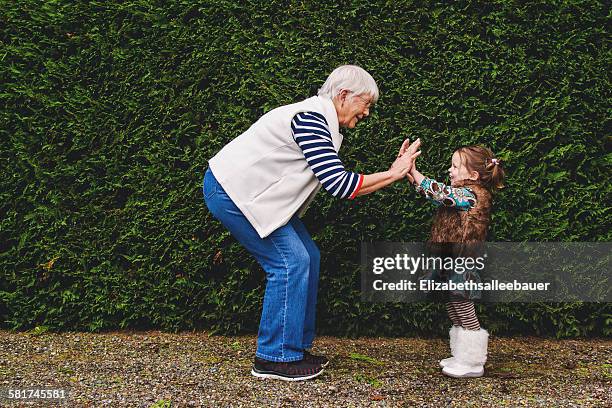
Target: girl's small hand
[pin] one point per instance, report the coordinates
(413, 168)
(410, 178)
(416, 177)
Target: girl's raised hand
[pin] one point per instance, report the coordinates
(410, 178)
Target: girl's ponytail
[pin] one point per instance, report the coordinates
(482, 160)
(497, 173)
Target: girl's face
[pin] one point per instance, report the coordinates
(458, 171)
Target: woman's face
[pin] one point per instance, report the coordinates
(353, 108)
(457, 171)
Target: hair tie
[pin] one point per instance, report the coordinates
(495, 161)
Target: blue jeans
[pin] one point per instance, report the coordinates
(291, 261)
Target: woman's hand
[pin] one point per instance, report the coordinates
(403, 165)
(404, 147)
(398, 170)
(406, 156)
(407, 150)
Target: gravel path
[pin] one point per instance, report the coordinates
(144, 369)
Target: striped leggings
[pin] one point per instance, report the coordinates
(462, 313)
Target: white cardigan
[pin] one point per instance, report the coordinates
(264, 171)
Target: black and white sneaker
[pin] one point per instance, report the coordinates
(292, 371)
(313, 359)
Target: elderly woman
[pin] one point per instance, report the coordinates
(259, 185)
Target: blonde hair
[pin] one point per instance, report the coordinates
(482, 160)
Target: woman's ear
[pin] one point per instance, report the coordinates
(342, 96)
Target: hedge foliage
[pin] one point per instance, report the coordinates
(110, 111)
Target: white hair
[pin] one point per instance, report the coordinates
(351, 78)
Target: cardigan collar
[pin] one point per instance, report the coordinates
(332, 116)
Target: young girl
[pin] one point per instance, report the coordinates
(463, 217)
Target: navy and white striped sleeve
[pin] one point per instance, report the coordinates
(311, 133)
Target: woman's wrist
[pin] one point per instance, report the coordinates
(395, 174)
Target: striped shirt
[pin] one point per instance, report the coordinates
(311, 133)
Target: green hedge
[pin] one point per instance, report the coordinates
(110, 111)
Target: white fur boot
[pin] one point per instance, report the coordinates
(453, 345)
(470, 355)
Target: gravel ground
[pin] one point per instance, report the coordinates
(144, 369)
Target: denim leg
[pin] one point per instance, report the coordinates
(286, 262)
(282, 320)
(313, 282)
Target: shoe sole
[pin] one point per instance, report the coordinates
(443, 364)
(264, 374)
(466, 375)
